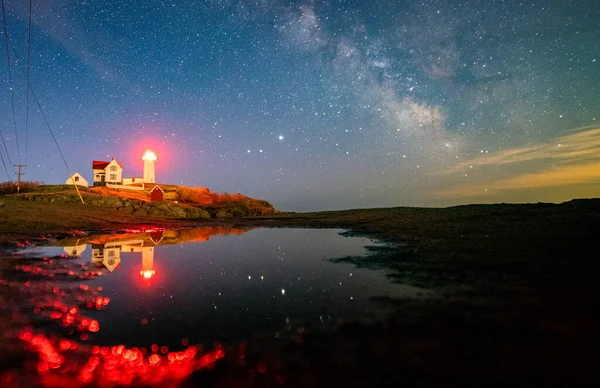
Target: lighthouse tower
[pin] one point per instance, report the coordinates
(149, 159)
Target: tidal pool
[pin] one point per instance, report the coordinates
(162, 290)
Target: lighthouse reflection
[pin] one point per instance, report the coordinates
(147, 263)
(107, 250)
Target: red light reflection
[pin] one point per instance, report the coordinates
(58, 361)
(58, 329)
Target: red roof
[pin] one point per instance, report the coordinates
(100, 165)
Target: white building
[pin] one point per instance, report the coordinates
(107, 254)
(149, 159)
(107, 172)
(79, 180)
(75, 250)
(111, 173)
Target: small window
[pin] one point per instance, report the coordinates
(113, 177)
(76, 179)
(132, 180)
(113, 168)
(111, 253)
(97, 176)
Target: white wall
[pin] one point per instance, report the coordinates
(113, 172)
(122, 187)
(79, 180)
(133, 181)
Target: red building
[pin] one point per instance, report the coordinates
(157, 194)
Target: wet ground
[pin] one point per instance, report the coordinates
(514, 303)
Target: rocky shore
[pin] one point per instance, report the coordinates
(130, 205)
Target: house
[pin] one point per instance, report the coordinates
(108, 255)
(79, 180)
(75, 250)
(111, 173)
(107, 172)
(157, 194)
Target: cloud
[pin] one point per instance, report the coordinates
(580, 146)
(549, 179)
(566, 161)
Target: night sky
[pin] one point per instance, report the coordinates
(314, 104)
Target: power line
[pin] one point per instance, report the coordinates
(27, 77)
(42, 112)
(10, 83)
(7, 155)
(3, 162)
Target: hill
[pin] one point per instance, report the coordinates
(179, 202)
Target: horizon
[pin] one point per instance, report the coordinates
(314, 106)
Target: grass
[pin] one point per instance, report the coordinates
(237, 205)
(21, 219)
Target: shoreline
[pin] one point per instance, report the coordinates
(538, 241)
(514, 283)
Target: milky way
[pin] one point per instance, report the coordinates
(314, 104)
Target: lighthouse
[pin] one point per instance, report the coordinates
(149, 159)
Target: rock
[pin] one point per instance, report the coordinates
(114, 202)
(203, 214)
(140, 212)
(127, 209)
(164, 208)
(223, 214)
(176, 211)
(192, 212)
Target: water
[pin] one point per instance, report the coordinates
(209, 285)
(152, 307)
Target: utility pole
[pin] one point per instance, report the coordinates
(19, 176)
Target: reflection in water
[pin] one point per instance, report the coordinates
(147, 263)
(109, 253)
(107, 249)
(107, 330)
(54, 318)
